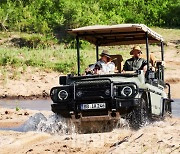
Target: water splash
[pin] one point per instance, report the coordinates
(122, 123)
(32, 123)
(56, 124)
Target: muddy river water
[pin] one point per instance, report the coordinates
(38, 104)
(46, 105)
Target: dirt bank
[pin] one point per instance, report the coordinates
(33, 83)
(159, 137)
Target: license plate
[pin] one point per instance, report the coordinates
(93, 106)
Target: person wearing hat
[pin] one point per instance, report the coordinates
(103, 66)
(136, 62)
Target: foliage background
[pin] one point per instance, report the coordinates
(49, 16)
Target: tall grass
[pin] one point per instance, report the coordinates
(58, 59)
(62, 58)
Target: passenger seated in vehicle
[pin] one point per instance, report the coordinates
(103, 66)
(152, 61)
(136, 62)
(118, 61)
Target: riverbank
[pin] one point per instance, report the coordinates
(158, 137)
(32, 84)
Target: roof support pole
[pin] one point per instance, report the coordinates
(162, 51)
(162, 58)
(78, 54)
(147, 53)
(97, 52)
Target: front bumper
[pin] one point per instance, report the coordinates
(114, 108)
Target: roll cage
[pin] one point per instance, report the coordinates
(121, 34)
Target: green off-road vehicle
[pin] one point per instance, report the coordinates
(136, 95)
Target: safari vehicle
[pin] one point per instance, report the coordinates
(136, 95)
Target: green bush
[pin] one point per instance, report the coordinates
(47, 16)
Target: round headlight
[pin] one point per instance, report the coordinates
(62, 94)
(79, 93)
(126, 91)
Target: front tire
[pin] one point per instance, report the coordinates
(140, 115)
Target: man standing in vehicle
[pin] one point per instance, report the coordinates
(103, 66)
(136, 62)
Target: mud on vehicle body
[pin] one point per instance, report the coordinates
(136, 95)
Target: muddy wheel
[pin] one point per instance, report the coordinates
(140, 115)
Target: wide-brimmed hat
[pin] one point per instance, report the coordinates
(134, 49)
(105, 53)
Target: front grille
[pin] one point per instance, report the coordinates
(92, 89)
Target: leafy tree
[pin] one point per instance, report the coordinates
(47, 16)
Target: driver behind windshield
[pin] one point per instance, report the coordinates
(136, 62)
(103, 66)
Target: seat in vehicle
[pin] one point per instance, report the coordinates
(152, 59)
(118, 61)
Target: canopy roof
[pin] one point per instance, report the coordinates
(121, 34)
